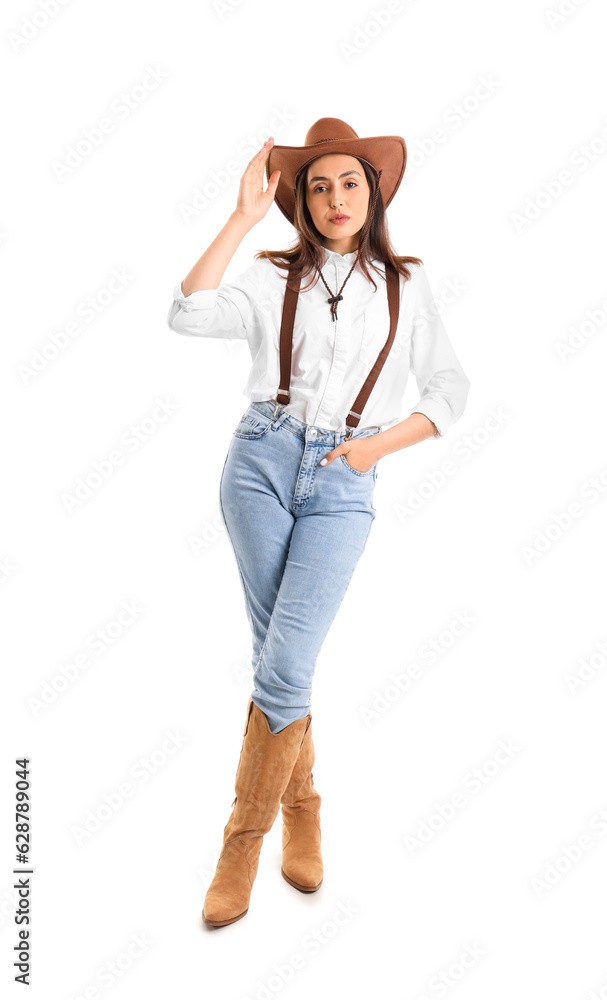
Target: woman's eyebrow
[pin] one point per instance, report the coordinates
(347, 173)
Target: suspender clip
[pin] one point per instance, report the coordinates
(287, 396)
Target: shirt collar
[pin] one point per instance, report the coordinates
(345, 256)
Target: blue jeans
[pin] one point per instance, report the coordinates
(297, 529)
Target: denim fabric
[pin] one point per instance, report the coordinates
(297, 529)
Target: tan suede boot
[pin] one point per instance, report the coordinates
(264, 769)
(301, 855)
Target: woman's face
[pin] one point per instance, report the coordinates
(336, 185)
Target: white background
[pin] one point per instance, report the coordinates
(483, 210)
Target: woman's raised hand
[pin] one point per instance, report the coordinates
(253, 202)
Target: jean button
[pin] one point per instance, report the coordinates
(312, 432)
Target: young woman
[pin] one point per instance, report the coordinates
(330, 362)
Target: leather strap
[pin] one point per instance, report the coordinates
(392, 285)
(283, 395)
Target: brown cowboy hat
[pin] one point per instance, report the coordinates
(387, 153)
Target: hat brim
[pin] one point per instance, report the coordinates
(387, 153)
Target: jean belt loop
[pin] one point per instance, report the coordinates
(279, 417)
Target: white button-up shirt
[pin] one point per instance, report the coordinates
(331, 359)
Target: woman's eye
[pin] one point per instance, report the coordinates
(323, 187)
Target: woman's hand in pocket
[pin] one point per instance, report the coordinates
(360, 453)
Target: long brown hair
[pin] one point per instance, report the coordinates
(307, 253)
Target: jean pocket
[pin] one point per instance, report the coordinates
(363, 475)
(252, 425)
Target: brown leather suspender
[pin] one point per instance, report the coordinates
(286, 338)
(286, 344)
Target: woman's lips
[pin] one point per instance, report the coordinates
(340, 219)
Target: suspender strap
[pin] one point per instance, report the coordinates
(360, 402)
(283, 395)
(286, 338)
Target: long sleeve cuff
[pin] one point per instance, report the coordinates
(229, 310)
(440, 412)
(204, 298)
